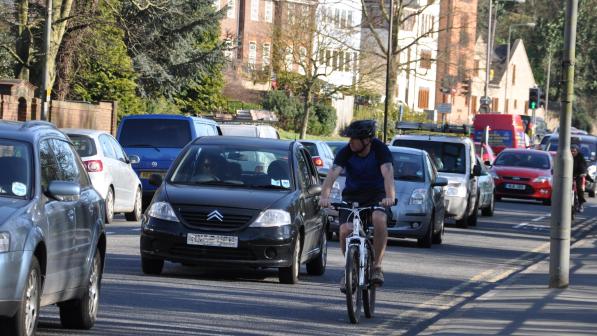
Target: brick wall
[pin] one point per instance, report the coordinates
(63, 114)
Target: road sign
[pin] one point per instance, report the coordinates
(444, 108)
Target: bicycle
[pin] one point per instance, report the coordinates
(360, 291)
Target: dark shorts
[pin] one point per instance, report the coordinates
(364, 199)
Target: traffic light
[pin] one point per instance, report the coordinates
(534, 98)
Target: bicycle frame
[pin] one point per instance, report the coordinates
(357, 239)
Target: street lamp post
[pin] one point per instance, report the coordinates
(484, 107)
(45, 80)
(388, 67)
(528, 24)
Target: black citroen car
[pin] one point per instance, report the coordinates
(237, 201)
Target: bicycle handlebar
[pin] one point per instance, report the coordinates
(351, 205)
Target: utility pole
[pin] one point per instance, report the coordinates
(45, 90)
(388, 67)
(547, 83)
(484, 106)
(559, 264)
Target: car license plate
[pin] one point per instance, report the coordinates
(147, 174)
(212, 240)
(516, 186)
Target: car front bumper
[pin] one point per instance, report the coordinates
(456, 206)
(410, 225)
(257, 247)
(13, 272)
(537, 191)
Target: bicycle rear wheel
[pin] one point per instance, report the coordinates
(353, 292)
(369, 289)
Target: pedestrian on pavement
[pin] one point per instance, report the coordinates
(579, 169)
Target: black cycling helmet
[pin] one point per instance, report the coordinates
(361, 129)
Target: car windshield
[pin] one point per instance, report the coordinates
(234, 165)
(523, 160)
(311, 147)
(84, 145)
(448, 157)
(157, 133)
(408, 167)
(15, 160)
(587, 148)
(336, 146)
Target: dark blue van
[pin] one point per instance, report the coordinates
(156, 139)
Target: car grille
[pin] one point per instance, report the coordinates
(516, 178)
(207, 252)
(528, 190)
(232, 219)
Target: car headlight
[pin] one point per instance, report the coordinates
(542, 179)
(336, 193)
(162, 210)
(272, 218)
(418, 197)
(4, 241)
(456, 190)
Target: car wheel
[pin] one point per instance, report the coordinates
(438, 236)
(463, 222)
(472, 218)
(110, 206)
(316, 266)
(135, 215)
(81, 313)
(488, 211)
(289, 275)
(152, 266)
(426, 241)
(24, 322)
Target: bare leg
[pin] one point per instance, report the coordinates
(345, 230)
(380, 236)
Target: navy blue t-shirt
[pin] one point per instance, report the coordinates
(363, 174)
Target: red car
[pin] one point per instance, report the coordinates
(523, 173)
(485, 152)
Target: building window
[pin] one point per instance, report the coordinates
(217, 4)
(495, 103)
(252, 53)
(477, 67)
(288, 58)
(426, 59)
(303, 55)
(230, 10)
(347, 62)
(335, 60)
(328, 57)
(507, 106)
(228, 48)
(265, 57)
(255, 10)
(515, 103)
(349, 20)
(513, 74)
(474, 104)
(408, 20)
(423, 98)
(269, 11)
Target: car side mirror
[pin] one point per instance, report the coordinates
(487, 163)
(477, 170)
(155, 180)
(134, 159)
(64, 191)
(314, 189)
(440, 182)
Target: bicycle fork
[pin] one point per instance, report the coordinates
(360, 242)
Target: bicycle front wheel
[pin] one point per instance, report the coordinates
(353, 292)
(369, 289)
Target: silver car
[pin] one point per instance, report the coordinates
(420, 211)
(110, 170)
(486, 188)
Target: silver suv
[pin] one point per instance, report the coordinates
(454, 157)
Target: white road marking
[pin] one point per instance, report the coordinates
(136, 229)
(110, 232)
(521, 225)
(538, 219)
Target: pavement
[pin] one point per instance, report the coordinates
(523, 304)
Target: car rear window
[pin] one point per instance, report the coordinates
(84, 145)
(239, 130)
(448, 157)
(159, 133)
(408, 167)
(523, 160)
(15, 160)
(311, 147)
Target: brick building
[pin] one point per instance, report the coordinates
(455, 64)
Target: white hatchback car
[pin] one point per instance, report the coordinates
(110, 170)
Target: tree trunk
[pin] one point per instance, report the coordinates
(24, 42)
(306, 112)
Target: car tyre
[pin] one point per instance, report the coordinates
(316, 266)
(82, 313)
(110, 206)
(290, 274)
(438, 236)
(488, 211)
(463, 222)
(152, 266)
(24, 322)
(135, 215)
(427, 240)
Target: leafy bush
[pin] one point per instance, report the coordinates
(288, 109)
(322, 120)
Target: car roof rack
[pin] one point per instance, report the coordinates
(426, 128)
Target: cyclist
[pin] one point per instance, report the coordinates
(369, 181)
(579, 169)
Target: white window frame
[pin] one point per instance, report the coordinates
(269, 11)
(255, 10)
(230, 12)
(252, 59)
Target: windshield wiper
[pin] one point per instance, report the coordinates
(144, 145)
(268, 186)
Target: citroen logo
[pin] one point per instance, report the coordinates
(154, 164)
(215, 215)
